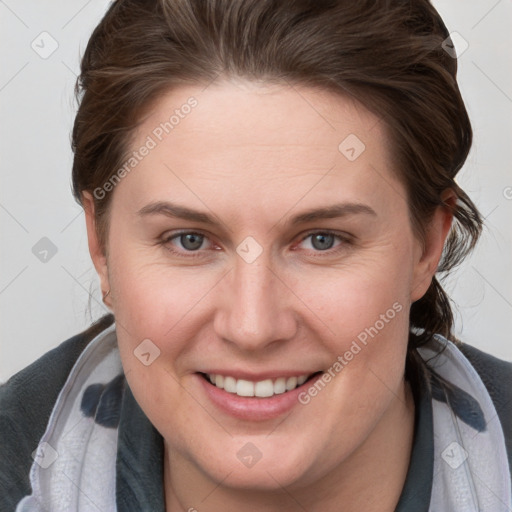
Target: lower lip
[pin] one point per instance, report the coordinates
(254, 408)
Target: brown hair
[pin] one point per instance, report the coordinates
(388, 55)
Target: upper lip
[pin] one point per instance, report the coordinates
(256, 377)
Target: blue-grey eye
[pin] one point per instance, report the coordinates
(191, 241)
(322, 241)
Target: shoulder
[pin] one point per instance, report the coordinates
(496, 374)
(26, 403)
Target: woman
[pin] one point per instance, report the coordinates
(269, 194)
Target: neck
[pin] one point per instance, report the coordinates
(371, 479)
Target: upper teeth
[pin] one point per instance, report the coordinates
(262, 388)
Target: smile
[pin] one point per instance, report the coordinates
(261, 389)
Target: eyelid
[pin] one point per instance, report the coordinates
(166, 238)
(326, 231)
(345, 238)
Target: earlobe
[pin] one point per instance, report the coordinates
(430, 255)
(97, 253)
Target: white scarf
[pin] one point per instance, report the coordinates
(74, 466)
(471, 470)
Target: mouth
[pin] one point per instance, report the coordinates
(261, 389)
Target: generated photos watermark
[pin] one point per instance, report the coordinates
(151, 142)
(356, 346)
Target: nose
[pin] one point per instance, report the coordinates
(255, 307)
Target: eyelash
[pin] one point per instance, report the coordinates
(344, 239)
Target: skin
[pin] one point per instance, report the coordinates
(253, 155)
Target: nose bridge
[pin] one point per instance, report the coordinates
(256, 312)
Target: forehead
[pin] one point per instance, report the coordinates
(255, 137)
(258, 114)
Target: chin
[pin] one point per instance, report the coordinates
(258, 464)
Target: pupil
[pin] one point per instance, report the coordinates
(322, 241)
(191, 241)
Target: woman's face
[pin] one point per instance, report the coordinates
(262, 236)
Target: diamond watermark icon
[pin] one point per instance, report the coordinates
(455, 45)
(249, 455)
(44, 250)
(454, 455)
(45, 455)
(351, 147)
(146, 352)
(44, 45)
(249, 249)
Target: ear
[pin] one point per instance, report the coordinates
(428, 257)
(98, 257)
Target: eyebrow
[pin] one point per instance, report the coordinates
(328, 212)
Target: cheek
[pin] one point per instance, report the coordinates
(151, 296)
(156, 303)
(349, 299)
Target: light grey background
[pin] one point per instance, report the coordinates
(44, 303)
